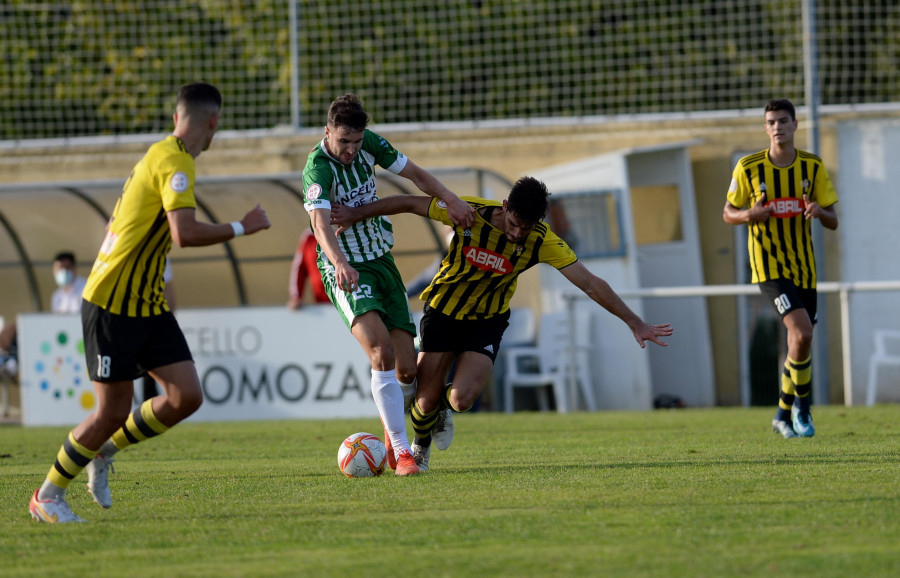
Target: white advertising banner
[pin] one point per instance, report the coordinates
(253, 363)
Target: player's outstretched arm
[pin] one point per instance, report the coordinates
(460, 212)
(344, 216)
(600, 291)
(187, 231)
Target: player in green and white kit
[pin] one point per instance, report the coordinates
(357, 269)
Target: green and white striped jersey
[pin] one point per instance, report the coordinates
(327, 181)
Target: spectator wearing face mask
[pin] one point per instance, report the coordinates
(67, 297)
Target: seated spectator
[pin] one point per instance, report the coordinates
(9, 367)
(67, 297)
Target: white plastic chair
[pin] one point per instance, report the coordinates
(887, 353)
(544, 366)
(521, 330)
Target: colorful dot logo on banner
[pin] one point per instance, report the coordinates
(61, 371)
(87, 400)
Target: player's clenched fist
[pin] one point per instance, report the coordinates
(255, 220)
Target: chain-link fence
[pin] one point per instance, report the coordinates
(74, 69)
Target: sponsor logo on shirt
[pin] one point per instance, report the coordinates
(179, 182)
(314, 191)
(442, 204)
(359, 195)
(109, 241)
(487, 260)
(787, 207)
(733, 187)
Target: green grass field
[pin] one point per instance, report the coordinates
(674, 493)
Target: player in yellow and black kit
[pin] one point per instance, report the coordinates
(467, 302)
(128, 327)
(784, 189)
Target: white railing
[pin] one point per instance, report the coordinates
(842, 289)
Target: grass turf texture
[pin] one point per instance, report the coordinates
(675, 493)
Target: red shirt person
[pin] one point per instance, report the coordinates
(304, 268)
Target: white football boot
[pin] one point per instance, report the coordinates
(98, 479)
(442, 432)
(53, 511)
(421, 455)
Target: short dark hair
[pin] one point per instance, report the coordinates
(784, 104)
(347, 111)
(529, 199)
(198, 95)
(65, 256)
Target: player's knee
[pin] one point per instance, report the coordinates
(406, 374)
(426, 406)
(462, 407)
(806, 338)
(802, 338)
(187, 401)
(462, 401)
(382, 357)
(109, 419)
(193, 401)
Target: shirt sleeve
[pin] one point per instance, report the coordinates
(176, 181)
(824, 193)
(437, 211)
(317, 180)
(739, 189)
(385, 155)
(556, 252)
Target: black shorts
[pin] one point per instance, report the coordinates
(122, 348)
(787, 297)
(441, 333)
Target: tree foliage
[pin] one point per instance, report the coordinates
(113, 67)
(87, 68)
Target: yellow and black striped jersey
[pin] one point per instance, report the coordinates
(781, 247)
(478, 276)
(127, 277)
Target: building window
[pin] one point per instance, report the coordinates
(590, 222)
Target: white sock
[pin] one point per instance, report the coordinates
(49, 490)
(108, 449)
(389, 401)
(409, 393)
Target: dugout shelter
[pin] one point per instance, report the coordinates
(38, 220)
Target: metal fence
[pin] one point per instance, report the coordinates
(88, 69)
(843, 290)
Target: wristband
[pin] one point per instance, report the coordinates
(238, 228)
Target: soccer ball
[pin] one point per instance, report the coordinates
(362, 455)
